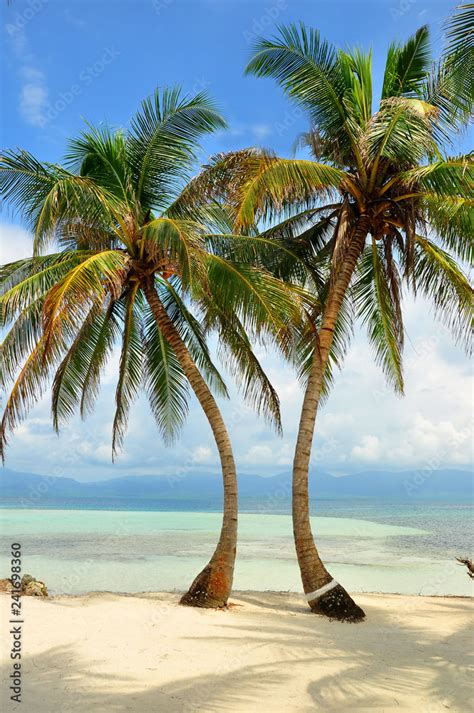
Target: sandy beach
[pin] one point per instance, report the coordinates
(109, 652)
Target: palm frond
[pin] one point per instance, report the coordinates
(452, 219)
(451, 178)
(49, 196)
(165, 383)
(407, 66)
(400, 132)
(357, 69)
(73, 382)
(100, 154)
(89, 282)
(279, 184)
(130, 370)
(178, 245)
(162, 142)
(105, 333)
(460, 30)
(307, 68)
(30, 279)
(237, 354)
(260, 301)
(377, 299)
(438, 277)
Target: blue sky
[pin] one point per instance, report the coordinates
(66, 61)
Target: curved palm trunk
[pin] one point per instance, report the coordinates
(324, 595)
(213, 585)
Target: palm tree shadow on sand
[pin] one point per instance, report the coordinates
(377, 668)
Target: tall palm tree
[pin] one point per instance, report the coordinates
(378, 201)
(136, 263)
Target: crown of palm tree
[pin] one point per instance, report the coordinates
(387, 166)
(115, 213)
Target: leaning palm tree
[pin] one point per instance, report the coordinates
(396, 203)
(377, 202)
(135, 265)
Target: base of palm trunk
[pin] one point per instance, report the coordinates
(210, 590)
(337, 604)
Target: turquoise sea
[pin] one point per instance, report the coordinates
(369, 545)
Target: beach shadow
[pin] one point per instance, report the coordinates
(378, 664)
(396, 657)
(58, 681)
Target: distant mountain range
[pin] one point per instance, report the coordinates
(197, 487)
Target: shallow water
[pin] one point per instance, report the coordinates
(367, 545)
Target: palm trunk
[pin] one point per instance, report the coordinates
(213, 585)
(333, 601)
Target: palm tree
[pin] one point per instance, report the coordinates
(378, 202)
(138, 264)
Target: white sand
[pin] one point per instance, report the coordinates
(268, 653)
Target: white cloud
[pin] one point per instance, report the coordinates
(203, 455)
(258, 131)
(368, 451)
(34, 97)
(270, 454)
(15, 243)
(261, 131)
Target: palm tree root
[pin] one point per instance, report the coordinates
(338, 604)
(210, 589)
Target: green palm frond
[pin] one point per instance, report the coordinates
(452, 219)
(307, 68)
(400, 132)
(460, 31)
(162, 142)
(164, 381)
(259, 300)
(76, 379)
(279, 184)
(104, 334)
(31, 279)
(130, 369)
(219, 181)
(264, 250)
(449, 89)
(237, 353)
(439, 278)
(407, 66)
(377, 299)
(31, 381)
(89, 282)
(357, 69)
(100, 154)
(451, 178)
(179, 245)
(20, 339)
(48, 196)
(69, 377)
